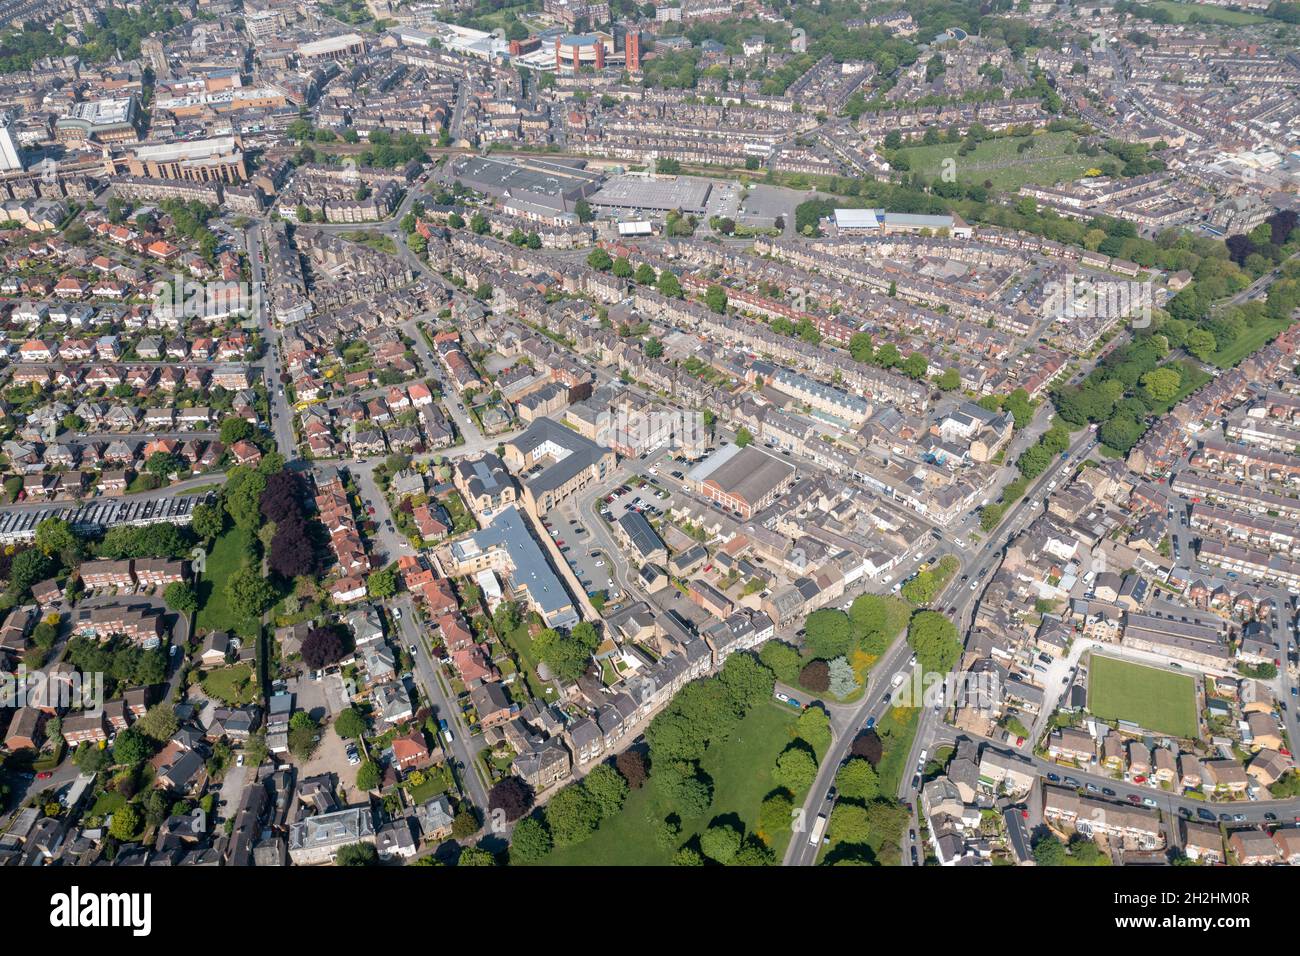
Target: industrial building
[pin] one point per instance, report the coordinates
(546, 183)
(640, 195)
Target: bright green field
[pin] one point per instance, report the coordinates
(998, 162)
(1253, 339)
(1152, 698)
(1181, 11)
(215, 612)
(741, 770)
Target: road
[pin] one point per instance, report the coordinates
(959, 595)
(463, 747)
(281, 423)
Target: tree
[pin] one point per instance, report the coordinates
(720, 842)
(180, 597)
(510, 796)
(349, 724)
(631, 764)
(125, 823)
(208, 521)
(158, 723)
(235, 429)
(506, 617)
(1201, 343)
(466, 822)
(827, 633)
(475, 856)
(950, 380)
(843, 679)
(644, 275)
(869, 746)
(567, 655)
(715, 297)
(857, 779)
(368, 775)
(1049, 851)
(622, 268)
(850, 822)
(669, 286)
(860, 347)
(248, 591)
(572, 815)
(743, 437)
(653, 348)
(598, 258)
(816, 677)
(607, 788)
(356, 854)
(795, 769)
(934, 639)
(26, 568)
(162, 464)
(582, 209)
(131, 747)
(775, 813)
(382, 583)
(321, 647)
(915, 366)
(688, 856)
(1162, 384)
(782, 659)
(242, 495)
(55, 536)
(530, 842)
(478, 224)
(293, 552)
(814, 728)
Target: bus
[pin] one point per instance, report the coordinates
(819, 827)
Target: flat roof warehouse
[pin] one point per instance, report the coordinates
(552, 184)
(632, 193)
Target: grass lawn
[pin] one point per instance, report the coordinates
(521, 643)
(741, 769)
(235, 684)
(1253, 339)
(1152, 698)
(1193, 378)
(436, 782)
(896, 730)
(998, 161)
(106, 803)
(215, 612)
(1180, 12)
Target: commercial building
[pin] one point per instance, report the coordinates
(216, 160)
(100, 121)
(554, 463)
(741, 480)
(506, 547)
(643, 194)
(574, 52)
(544, 183)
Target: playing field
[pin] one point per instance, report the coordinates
(1000, 162)
(1154, 699)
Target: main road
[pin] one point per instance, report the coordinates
(847, 723)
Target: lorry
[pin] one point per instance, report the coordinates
(819, 828)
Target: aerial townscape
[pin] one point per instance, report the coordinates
(681, 433)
